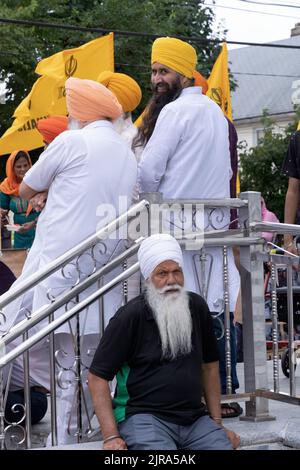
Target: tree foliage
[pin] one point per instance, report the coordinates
(261, 165)
(23, 46)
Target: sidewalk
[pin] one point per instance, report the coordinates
(280, 434)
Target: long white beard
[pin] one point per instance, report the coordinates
(173, 318)
(125, 128)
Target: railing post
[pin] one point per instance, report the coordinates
(2, 426)
(27, 395)
(52, 386)
(253, 307)
(154, 214)
(227, 332)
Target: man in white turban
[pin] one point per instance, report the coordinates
(162, 349)
(186, 156)
(82, 169)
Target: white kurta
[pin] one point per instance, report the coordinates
(188, 157)
(81, 169)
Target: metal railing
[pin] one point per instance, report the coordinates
(253, 254)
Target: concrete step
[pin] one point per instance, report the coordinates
(272, 446)
(97, 445)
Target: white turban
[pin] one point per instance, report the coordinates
(156, 249)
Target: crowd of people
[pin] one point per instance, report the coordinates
(162, 346)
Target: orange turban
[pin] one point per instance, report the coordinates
(200, 81)
(51, 127)
(175, 54)
(123, 87)
(10, 185)
(88, 100)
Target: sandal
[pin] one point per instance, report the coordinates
(233, 410)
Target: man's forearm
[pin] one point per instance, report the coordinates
(212, 388)
(26, 192)
(100, 392)
(290, 208)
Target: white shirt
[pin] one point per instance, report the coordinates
(188, 157)
(82, 169)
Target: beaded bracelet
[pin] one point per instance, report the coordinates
(218, 420)
(110, 438)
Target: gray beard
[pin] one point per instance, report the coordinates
(173, 318)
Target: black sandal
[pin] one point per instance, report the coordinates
(235, 410)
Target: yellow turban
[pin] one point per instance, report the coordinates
(175, 54)
(88, 100)
(123, 87)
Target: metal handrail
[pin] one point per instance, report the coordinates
(277, 227)
(45, 311)
(226, 202)
(27, 344)
(51, 267)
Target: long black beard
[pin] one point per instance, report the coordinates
(154, 107)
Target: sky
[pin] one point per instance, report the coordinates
(257, 21)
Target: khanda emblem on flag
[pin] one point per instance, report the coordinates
(70, 66)
(218, 96)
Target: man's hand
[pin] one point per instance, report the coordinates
(27, 226)
(39, 200)
(233, 437)
(115, 444)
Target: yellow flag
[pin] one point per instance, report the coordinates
(38, 104)
(86, 61)
(47, 96)
(21, 135)
(218, 82)
(40, 100)
(138, 121)
(298, 128)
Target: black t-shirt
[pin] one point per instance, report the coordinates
(131, 349)
(291, 164)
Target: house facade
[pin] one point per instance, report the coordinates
(268, 78)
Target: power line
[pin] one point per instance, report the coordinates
(252, 11)
(139, 34)
(271, 4)
(264, 74)
(119, 64)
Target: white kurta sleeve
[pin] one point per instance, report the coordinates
(50, 162)
(159, 149)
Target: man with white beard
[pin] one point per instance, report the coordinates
(129, 94)
(162, 349)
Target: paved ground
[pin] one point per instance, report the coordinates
(282, 433)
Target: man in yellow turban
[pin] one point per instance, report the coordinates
(186, 156)
(85, 171)
(173, 63)
(125, 88)
(129, 95)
